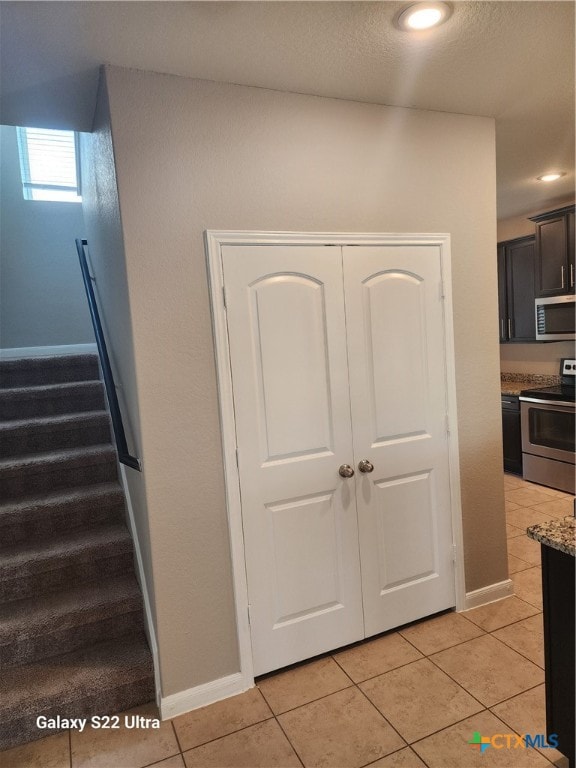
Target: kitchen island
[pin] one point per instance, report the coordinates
(558, 544)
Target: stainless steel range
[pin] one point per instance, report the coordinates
(548, 431)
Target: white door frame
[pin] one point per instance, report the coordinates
(215, 240)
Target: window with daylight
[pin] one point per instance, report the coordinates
(49, 165)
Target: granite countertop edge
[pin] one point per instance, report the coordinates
(513, 383)
(559, 534)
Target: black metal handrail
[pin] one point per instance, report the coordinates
(115, 413)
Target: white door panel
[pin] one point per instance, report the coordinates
(295, 421)
(395, 333)
(287, 333)
(412, 494)
(395, 325)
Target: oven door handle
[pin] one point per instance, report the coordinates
(551, 403)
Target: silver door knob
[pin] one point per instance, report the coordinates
(365, 466)
(346, 470)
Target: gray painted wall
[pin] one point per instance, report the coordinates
(42, 299)
(194, 155)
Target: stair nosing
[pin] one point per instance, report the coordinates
(39, 360)
(61, 496)
(56, 458)
(63, 547)
(49, 388)
(55, 420)
(45, 614)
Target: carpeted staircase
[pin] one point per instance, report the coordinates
(72, 637)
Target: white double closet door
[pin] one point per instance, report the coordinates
(338, 357)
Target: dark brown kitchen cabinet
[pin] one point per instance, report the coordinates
(555, 252)
(571, 250)
(516, 289)
(502, 291)
(511, 436)
(559, 652)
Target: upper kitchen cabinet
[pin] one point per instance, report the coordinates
(555, 252)
(516, 289)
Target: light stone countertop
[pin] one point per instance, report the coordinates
(513, 387)
(558, 534)
(514, 383)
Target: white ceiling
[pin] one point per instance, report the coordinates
(510, 60)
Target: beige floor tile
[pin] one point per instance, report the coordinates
(126, 747)
(526, 637)
(50, 752)
(513, 481)
(562, 762)
(509, 506)
(432, 635)
(525, 549)
(512, 531)
(419, 699)
(556, 507)
(532, 486)
(221, 718)
(515, 564)
(488, 669)
(527, 497)
(548, 491)
(376, 656)
(528, 586)
(523, 518)
(526, 713)
(553, 492)
(450, 748)
(500, 613)
(404, 758)
(302, 684)
(171, 762)
(260, 746)
(343, 729)
(564, 495)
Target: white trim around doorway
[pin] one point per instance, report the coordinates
(214, 241)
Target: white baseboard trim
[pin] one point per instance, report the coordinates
(489, 594)
(11, 353)
(148, 616)
(201, 695)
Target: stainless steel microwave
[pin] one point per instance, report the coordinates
(556, 318)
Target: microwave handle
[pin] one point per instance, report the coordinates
(562, 271)
(571, 275)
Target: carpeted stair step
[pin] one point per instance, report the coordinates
(32, 371)
(104, 679)
(53, 564)
(53, 433)
(60, 512)
(51, 399)
(65, 621)
(44, 472)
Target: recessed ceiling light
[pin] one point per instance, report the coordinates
(552, 176)
(423, 16)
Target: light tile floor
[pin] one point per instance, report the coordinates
(407, 699)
